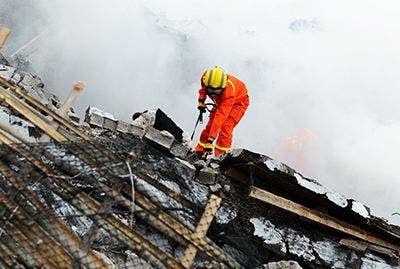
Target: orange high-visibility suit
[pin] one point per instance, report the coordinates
(229, 108)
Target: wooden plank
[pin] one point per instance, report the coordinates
(74, 93)
(174, 195)
(356, 245)
(320, 218)
(18, 252)
(13, 133)
(362, 246)
(210, 249)
(31, 116)
(33, 233)
(58, 230)
(382, 250)
(65, 107)
(201, 229)
(8, 257)
(4, 33)
(25, 243)
(40, 107)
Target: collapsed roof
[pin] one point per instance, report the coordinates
(108, 193)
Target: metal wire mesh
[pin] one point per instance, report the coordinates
(114, 202)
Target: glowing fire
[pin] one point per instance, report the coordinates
(295, 149)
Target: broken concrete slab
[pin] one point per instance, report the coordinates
(29, 81)
(226, 188)
(156, 138)
(38, 94)
(73, 117)
(281, 265)
(207, 176)
(137, 131)
(109, 124)
(128, 128)
(16, 78)
(199, 164)
(4, 60)
(6, 72)
(214, 165)
(124, 127)
(94, 119)
(179, 150)
(90, 110)
(215, 187)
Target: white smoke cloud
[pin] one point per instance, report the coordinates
(329, 68)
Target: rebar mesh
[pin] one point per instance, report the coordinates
(96, 204)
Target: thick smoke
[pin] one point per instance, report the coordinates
(322, 75)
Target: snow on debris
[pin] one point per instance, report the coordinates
(273, 164)
(337, 198)
(171, 185)
(330, 253)
(186, 163)
(318, 188)
(311, 185)
(235, 152)
(300, 245)
(267, 231)
(17, 124)
(225, 215)
(95, 110)
(360, 209)
(371, 261)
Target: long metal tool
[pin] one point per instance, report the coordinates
(199, 119)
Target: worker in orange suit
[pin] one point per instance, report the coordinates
(231, 99)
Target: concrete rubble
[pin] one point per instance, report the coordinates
(255, 234)
(281, 265)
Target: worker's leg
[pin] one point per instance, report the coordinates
(204, 134)
(225, 136)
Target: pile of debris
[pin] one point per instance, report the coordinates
(113, 194)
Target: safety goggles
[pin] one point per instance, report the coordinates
(213, 91)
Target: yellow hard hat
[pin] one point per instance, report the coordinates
(215, 77)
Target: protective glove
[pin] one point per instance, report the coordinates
(208, 148)
(202, 107)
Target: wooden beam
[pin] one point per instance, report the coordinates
(59, 231)
(201, 243)
(65, 107)
(201, 229)
(30, 115)
(13, 133)
(74, 93)
(4, 33)
(34, 232)
(42, 108)
(356, 245)
(174, 195)
(320, 218)
(362, 246)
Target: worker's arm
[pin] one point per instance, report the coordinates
(202, 94)
(202, 100)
